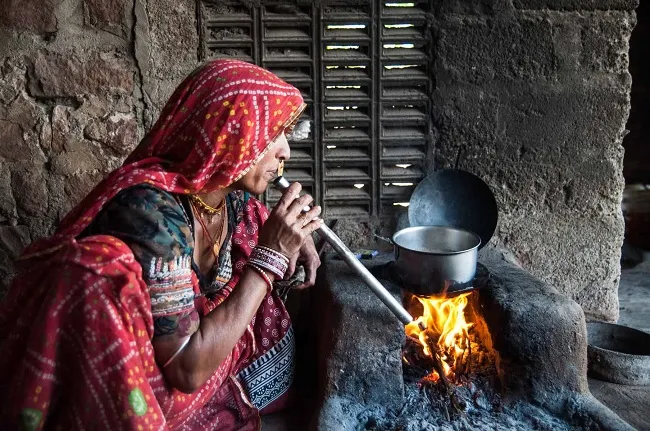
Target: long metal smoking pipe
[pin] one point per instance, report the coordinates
(344, 252)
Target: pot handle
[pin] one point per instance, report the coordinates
(383, 238)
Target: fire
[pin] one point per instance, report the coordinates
(442, 330)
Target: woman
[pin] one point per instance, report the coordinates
(152, 306)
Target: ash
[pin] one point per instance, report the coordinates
(471, 403)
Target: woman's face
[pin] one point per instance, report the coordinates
(257, 179)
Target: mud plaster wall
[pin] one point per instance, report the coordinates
(80, 82)
(531, 95)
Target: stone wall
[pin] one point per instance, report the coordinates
(80, 82)
(533, 96)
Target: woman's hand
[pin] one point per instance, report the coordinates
(308, 257)
(287, 227)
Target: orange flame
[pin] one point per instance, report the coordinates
(442, 326)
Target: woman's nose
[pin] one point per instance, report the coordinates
(283, 150)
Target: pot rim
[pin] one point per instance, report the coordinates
(642, 335)
(477, 239)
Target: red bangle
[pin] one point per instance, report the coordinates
(263, 274)
(269, 260)
(270, 250)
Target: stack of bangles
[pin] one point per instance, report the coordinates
(263, 259)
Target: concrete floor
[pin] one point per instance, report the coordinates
(634, 296)
(632, 403)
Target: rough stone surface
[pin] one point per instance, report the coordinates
(24, 111)
(606, 42)
(88, 139)
(68, 113)
(16, 147)
(109, 15)
(12, 137)
(357, 337)
(167, 51)
(494, 49)
(60, 129)
(355, 234)
(12, 80)
(531, 325)
(79, 160)
(588, 276)
(577, 5)
(13, 239)
(477, 7)
(117, 132)
(55, 74)
(519, 101)
(31, 15)
(7, 201)
(29, 177)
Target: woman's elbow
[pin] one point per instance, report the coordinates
(186, 381)
(189, 386)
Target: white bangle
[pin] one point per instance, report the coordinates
(262, 274)
(179, 350)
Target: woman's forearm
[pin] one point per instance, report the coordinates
(217, 335)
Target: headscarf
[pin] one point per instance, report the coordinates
(221, 120)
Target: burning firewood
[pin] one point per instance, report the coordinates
(431, 363)
(448, 386)
(439, 345)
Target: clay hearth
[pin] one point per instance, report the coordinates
(536, 338)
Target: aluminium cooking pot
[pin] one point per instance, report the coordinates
(436, 259)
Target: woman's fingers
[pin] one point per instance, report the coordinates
(312, 226)
(289, 196)
(298, 205)
(303, 218)
(288, 225)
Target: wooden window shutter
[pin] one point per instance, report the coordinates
(364, 71)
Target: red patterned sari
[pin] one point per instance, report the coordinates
(76, 328)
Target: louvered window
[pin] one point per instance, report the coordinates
(364, 72)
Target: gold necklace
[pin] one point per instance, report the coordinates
(214, 242)
(207, 209)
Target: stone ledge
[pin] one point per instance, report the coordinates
(538, 334)
(540, 337)
(359, 339)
